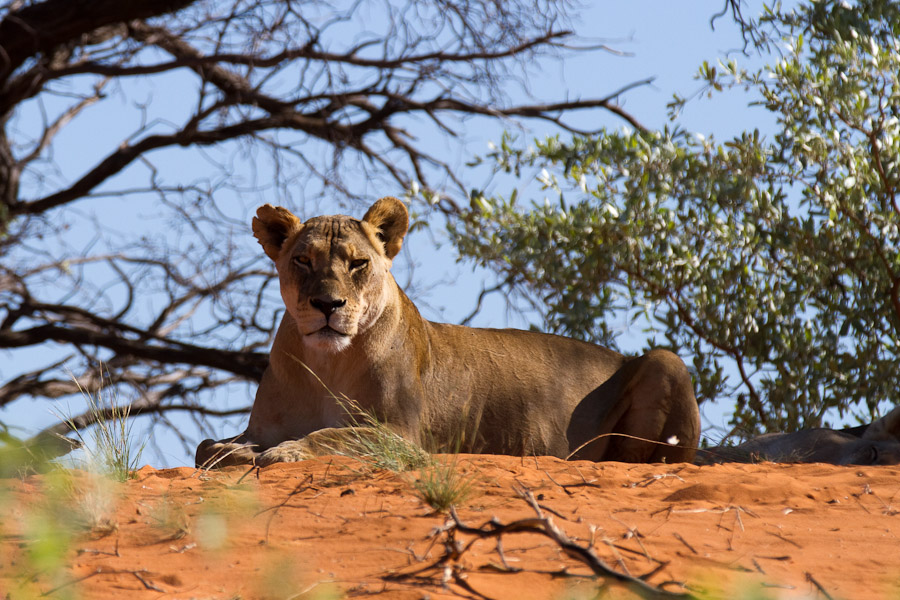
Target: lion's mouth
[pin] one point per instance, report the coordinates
(328, 340)
(328, 331)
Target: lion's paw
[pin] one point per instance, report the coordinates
(213, 454)
(289, 451)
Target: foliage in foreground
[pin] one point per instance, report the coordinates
(771, 262)
(114, 450)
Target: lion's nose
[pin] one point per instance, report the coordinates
(327, 305)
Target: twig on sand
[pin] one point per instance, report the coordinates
(633, 533)
(147, 584)
(250, 470)
(449, 564)
(783, 538)
(299, 488)
(647, 481)
(138, 574)
(555, 512)
(618, 556)
(738, 522)
(818, 585)
(558, 484)
(309, 588)
(565, 486)
(115, 551)
(683, 541)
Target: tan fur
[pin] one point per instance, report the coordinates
(350, 332)
(879, 444)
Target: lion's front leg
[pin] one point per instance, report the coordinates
(331, 440)
(287, 451)
(212, 454)
(360, 442)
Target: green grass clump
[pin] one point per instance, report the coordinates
(381, 447)
(441, 485)
(113, 451)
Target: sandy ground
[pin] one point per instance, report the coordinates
(330, 528)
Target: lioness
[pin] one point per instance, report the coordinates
(350, 332)
(875, 444)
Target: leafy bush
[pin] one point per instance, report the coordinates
(771, 264)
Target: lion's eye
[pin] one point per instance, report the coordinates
(358, 263)
(302, 261)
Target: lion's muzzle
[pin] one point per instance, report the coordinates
(327, 305)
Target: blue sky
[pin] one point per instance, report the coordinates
(664, 39)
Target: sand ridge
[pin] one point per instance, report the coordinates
(330, 527)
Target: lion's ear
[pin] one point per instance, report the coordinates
(272, 225)
(391, 219)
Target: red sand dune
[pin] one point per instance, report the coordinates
(330, 527)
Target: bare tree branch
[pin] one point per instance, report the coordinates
(249, 365)
(40, 28)
(161, 124)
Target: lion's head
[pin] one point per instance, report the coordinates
(334, 270)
